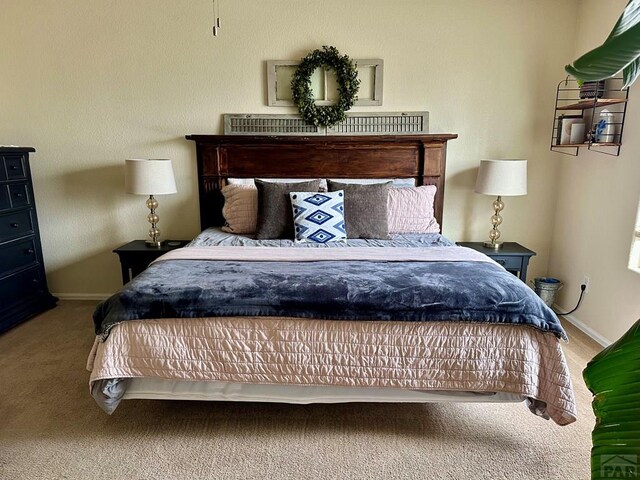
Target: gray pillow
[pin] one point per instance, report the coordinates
(275, 217)
(365, 208)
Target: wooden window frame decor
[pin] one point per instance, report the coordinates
(377, 64)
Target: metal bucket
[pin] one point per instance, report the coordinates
(547, 288)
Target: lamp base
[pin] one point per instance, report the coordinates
(154, 232)
(495, 246)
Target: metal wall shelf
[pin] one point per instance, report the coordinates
(569, 98)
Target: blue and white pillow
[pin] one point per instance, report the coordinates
(318, 217)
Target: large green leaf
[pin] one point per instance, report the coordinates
(631, 72)
(620, 51)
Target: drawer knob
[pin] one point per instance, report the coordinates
(29, 251)
(19, 195)
(34, 281)
(15, 225)
(13, 167)
(502, 262)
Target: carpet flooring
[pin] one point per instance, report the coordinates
(52, 429)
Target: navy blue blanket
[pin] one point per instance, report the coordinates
(338, 290)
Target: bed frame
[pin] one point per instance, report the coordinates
(421, 157)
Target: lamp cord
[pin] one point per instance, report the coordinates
(583, 287)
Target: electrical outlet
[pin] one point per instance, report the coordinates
(585, 281)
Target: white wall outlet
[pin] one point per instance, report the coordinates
(585, 281)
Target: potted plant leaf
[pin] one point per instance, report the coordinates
(619, 52)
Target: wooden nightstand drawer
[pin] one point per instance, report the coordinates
(512, 256)
(510, 263)
(16, 225)
(17, 255)
(13, 166)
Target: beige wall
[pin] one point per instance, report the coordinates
(596, 211)
(90, 83)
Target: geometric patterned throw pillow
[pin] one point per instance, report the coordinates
(318, 217)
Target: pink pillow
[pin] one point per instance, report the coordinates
(410, 210)
(240, 209)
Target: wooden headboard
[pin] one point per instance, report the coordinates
(422, 157)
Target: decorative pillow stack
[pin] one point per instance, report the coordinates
(370, 210)
(318, 217)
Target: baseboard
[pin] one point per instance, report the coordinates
(82, 296)
(583, 328)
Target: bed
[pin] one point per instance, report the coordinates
(412, 318)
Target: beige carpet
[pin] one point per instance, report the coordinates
(51, 428)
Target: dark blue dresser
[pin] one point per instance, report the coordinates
(23, 285)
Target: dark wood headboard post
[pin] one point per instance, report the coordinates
(210, 183)
(421, 157)
(434, 163)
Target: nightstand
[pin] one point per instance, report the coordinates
(512, 256)
(136, 256)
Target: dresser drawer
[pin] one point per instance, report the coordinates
(5, 198)
(508, 262)
(17, 255)
(15, 225)
(19, 193)
(14, 167)
(19, 286)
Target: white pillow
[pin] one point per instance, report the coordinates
(251, 181)
(395, 182)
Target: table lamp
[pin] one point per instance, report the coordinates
(502, 178)
(153, 176)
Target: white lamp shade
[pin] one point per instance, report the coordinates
(502, 177)
(149, 176)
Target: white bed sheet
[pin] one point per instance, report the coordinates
(155, 388)
(215, 237)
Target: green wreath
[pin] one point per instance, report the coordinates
(348, 83)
